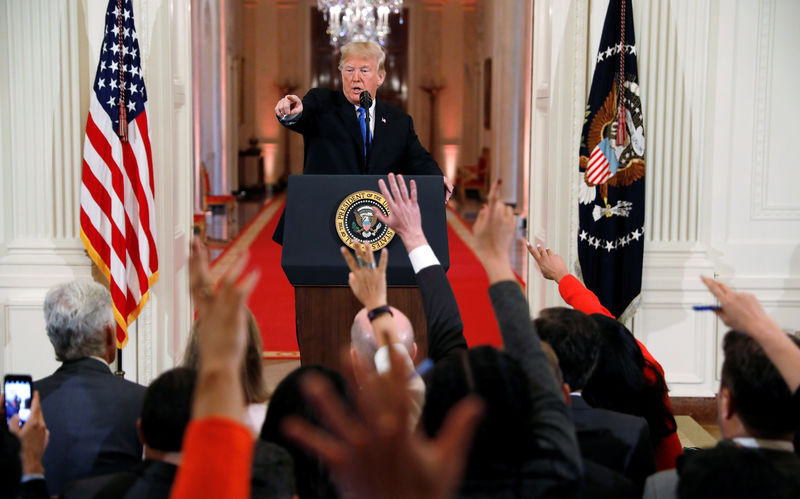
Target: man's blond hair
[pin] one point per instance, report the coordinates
(365, 50)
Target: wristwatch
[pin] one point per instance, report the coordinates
(378, 311)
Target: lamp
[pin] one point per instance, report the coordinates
(358, 20)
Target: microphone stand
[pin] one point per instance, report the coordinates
(365, 101)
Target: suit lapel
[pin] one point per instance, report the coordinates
(348, 115)
(380, 135)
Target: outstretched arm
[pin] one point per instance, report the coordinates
(578, 296)
(217, 448)
(445, 327)
(743, 312)
(495, 231)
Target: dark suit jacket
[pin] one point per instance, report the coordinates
(615, 440)
(91, 415)
(600, 482)
(729, 471)
(151, 479)
(333, 145)
(445, 327)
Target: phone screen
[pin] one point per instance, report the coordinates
(18, 394)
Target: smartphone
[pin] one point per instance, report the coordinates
(18, 389)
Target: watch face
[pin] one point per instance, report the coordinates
(355, 219)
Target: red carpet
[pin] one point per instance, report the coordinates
(272, 301)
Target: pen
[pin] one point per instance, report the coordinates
(423, 367)
(714, 308)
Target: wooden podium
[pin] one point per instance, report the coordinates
(324, 304)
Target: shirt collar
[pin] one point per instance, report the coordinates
(764, 443)
(101, 360)
(371, 108)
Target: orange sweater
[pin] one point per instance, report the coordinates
(217, 456)
(580, 298)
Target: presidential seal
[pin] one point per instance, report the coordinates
(356, 220)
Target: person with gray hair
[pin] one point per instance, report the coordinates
(91, 414)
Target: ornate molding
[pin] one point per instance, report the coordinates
(760, 208)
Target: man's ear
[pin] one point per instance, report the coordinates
(355, 361)
(725, 404)
(381, 77)
(567, 390)
(414, 351)
(111, 342)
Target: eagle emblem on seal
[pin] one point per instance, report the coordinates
(617, 156)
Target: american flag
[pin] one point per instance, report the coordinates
(117, 206)
(597, 170)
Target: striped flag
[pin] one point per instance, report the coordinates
(117, 194)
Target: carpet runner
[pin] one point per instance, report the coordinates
(272, 301)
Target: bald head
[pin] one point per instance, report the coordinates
(364, 343)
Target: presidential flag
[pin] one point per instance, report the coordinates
(611, 201)
(117, 194)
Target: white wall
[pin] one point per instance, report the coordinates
(719, 88)
(49, 51)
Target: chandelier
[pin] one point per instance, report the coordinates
(358, 20)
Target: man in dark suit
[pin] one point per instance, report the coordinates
(166, 412)
(617, 441)
(341, 137)
(91, 414)
(757, 419)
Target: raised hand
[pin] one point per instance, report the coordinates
(201, 284)
(740, 311)
(404, 215)
(221, 341)
(291, 104)
(494, 232)
(367, 279)
(743, 312)
(375, 454)
(551, 265)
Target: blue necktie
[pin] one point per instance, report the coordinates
(363, 122)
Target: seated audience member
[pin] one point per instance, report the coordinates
(217, 452)
(312, 477)
(525, 445)
(375, 454)
(632, 396)
(273, 472)
(615, 440)
(21, 451)
(165, 414)
(619, 383)
(255, 388)
(599, 482)
(91, 414)
(757, 421)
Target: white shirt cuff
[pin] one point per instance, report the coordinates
(289, 119)
(422, 257)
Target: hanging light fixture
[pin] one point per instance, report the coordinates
(358, 20)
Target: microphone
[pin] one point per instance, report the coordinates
(365, 99)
